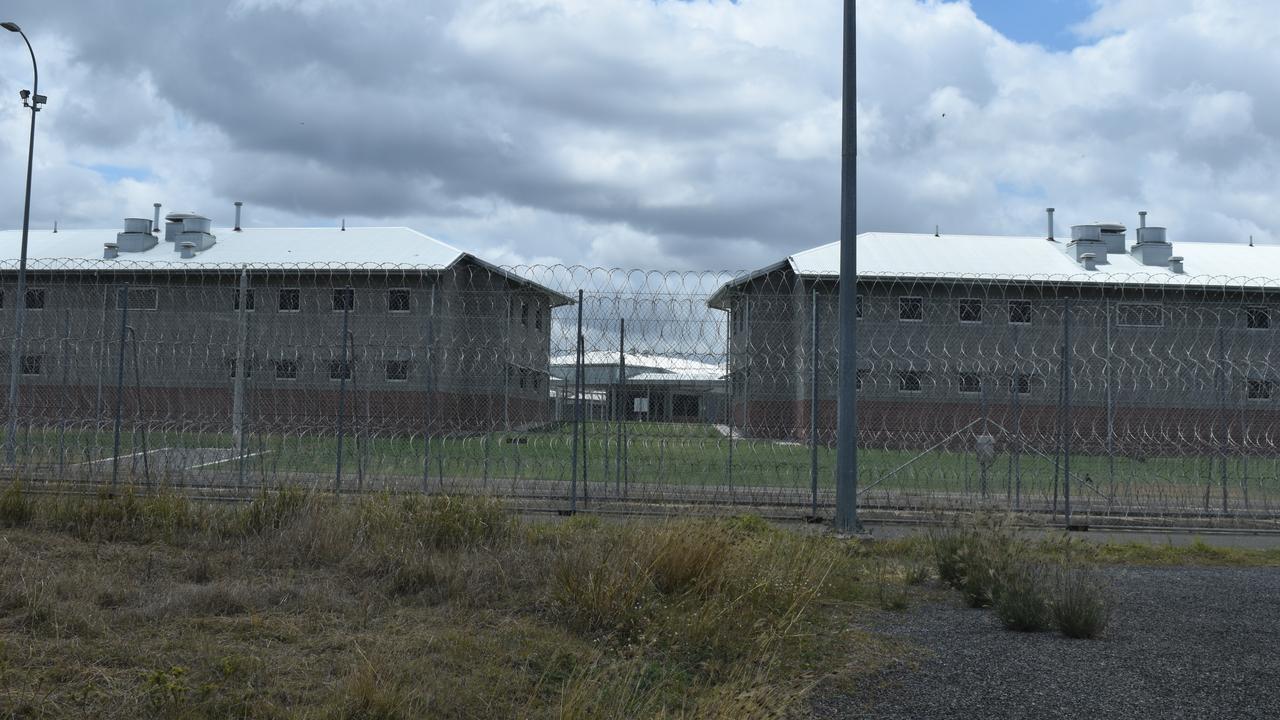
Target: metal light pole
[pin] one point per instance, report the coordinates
(847, 402)
(31, 100)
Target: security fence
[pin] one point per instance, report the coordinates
(1146, 398)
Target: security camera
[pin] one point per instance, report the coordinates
(24, 94)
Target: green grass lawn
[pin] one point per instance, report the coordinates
(658, 454)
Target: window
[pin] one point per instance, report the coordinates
(970, 310)
(970, 383)
(32, 364)
(399, 300)
(1, 298)
(1019, 312)
(524, 313)
(857, 307)
(142, 298)
(35, 299)
(857, 386)
(286, 369)
(1254, 389)
(290, 299)
(537, 380)
(344, 299)
(339, 370)
(231, 368)
(524, 377)
(909, 381)
(1257, 317)
(235, 300)
(397, 370)
(1022, 383)
(911, 309)
(1139, 315)
(537, 318)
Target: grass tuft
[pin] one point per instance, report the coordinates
(1022, 601)
(1081, 606)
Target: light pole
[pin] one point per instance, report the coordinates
(33, 100)
(847, 402)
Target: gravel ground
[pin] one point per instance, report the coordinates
(1183, 643)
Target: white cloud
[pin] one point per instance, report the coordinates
(614, 132)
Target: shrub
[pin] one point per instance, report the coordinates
(1022, 599)
(1081, 604)
(15, 508)
(947, 544)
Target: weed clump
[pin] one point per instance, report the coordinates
(1081, 606)
(1022, 602)
(15, 507)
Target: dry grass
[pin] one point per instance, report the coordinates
(297, 605)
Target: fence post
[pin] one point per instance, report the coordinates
(242, 350)
(1066, 410)
(66, 409)
(1111, 411)
(344, 372)
(622, 402)
(1224, 404)
(577, 408)
(813, 405)
(122, 300)
(427, 388)
(1015, 386)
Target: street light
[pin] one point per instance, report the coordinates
(33, 100)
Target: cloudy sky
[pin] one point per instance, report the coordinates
(648, 133)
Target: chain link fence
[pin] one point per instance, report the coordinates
(1149, 398)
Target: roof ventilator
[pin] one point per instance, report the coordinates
(183, 228)
(136, 237)
(1088, 240)
(1175, 264)
(1152, 248)
(188, 249)
(110, 251)
(1088, 261)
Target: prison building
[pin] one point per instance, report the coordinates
(658, 388)
(1169, 348)
(387, 328)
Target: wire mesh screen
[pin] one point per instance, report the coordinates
(567, 388)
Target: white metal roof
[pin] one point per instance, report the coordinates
(319, 248)
(251, 246)
(997, 257)
(669, 368)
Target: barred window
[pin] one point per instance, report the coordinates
(1022, 383)
(32, 364)
(344, 299)
(141, 298)
(339, 370)
(537, 318)
(970, 310)
(35, 299)
(857, 307)
(235, 300)
(232, 365)
(970, 383)
(290, 299)
(857, 386)
(1019, 312)
(1139, 315)
(524, 377)
(1259, 389)
(397, 370)
(909, 381)
(286, 369)
(524, 314)
(1257, 317)
(399, 300)
(911, 309)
